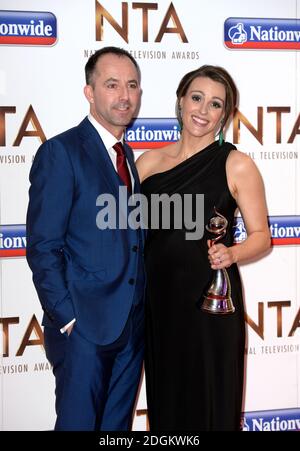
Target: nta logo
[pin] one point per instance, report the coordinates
(122, 29)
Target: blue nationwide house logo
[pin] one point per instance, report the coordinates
(27, 28)
(285, 230)
(150, 133)
(12, 240)
(272, 420)
(253, 33)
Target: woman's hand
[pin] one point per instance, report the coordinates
(220, 256)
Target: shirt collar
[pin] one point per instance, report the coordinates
(108, 139)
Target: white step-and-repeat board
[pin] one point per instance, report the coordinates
(44, 47)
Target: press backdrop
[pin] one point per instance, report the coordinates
(41, 94)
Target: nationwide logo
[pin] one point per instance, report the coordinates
(12, 240)
(27, 28)
(150, 133)
(248, 33)
(272, 420)
(284, 230)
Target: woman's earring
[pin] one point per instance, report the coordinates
(180, 117)
(221, 137)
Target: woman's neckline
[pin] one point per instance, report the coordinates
(187, 160)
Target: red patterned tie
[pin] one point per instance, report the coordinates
(122, 167)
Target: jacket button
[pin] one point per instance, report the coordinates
(134, 248)
(131, 281)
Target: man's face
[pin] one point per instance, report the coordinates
(114, 93)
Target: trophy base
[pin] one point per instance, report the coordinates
(219, 305)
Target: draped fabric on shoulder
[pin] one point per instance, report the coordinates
(194, 360)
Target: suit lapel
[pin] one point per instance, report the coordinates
(94, 146)
(130, 159)
(137, 185)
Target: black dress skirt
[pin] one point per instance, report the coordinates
(194, 360)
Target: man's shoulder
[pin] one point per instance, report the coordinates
(67, 142)
(71, 133)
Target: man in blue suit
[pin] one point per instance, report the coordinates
(90, 281)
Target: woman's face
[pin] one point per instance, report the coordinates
(202, 107)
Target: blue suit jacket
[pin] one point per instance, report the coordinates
(80, 271)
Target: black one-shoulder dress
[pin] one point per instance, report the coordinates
(194, 360)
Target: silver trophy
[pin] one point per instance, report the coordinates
(217, 298)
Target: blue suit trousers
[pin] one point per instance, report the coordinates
(96, 386)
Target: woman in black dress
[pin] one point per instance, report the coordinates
(194, 359)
